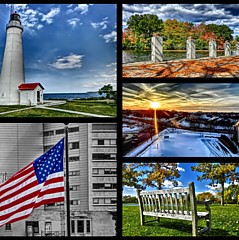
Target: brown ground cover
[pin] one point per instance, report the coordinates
(203, 68)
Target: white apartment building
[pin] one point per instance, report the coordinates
(92, 176)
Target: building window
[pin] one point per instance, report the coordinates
(74, 159)
(102, 156)
(113, 142)
(108, 186)
(74, 145)
(95, 171)
(34, 225)
(60, 131)
(74, 129)
(113, 200)
(74, 173)
(46, 148)
(80, 226)
(104, 126)
(100, 142)
(74, 187)
(110, 171)
(95, 200)
(8, 227)
(48, 133)
(98, 185)
(88, 226)
(107, 200)
(75, 202)
(72, 226)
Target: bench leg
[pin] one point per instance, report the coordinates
(158, 219)
(142, 219)
(209, 223)
(194, 228)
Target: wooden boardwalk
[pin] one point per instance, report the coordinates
(220, 67)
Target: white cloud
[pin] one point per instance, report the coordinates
(169, 184)
(33, 19)
(110, 37)
(82, 8)
(50, 15)
(102, 25)
(68, 62)
(74, 22)
(39, 26)
(111, 64)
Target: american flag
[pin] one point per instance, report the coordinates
(40, 182)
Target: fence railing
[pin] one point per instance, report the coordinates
(157, 49)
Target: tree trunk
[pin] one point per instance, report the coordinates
(222, 198)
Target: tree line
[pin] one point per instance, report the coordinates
(175, 33)
(143, 175)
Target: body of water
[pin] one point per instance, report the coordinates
(130, 56)
(70, 96)
(130, 204)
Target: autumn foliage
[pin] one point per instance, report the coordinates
(175, 33)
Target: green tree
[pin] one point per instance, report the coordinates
(130, 176)
(145, 25)
(217, 173)
(149, 174)
(205, 196)
(176, 34)
(108, 91)
(221, 31)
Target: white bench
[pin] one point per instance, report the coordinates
(177, 203)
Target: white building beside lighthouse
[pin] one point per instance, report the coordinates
(13, 89)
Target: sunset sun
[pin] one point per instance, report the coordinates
(154, 105)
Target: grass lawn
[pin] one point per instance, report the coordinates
(225, 222)
(10, 108)
(36, 112)
(91, 106)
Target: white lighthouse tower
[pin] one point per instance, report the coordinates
(12, 74)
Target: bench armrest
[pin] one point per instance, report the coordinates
(205, 202)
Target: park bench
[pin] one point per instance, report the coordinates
(177, 203)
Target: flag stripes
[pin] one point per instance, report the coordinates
(40, 182)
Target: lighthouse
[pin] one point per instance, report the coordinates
(12, 74)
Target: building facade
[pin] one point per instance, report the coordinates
(92, 177)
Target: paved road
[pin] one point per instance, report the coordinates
(54, 103)
(220, 67)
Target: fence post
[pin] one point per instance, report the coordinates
(212, 48)
(191, 50)
(237, 48)
(227, 48)
(156, 49)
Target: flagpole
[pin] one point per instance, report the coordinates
(68, 222)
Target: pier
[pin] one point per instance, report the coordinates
(218, 67)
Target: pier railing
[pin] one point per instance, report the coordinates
(157, 49)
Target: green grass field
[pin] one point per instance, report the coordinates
(91, 106)
(100, 107)
(10, 108)
(37, 112)
(225, 222)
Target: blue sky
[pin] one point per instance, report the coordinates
(67, 47)
(209, 13)
(187, 175)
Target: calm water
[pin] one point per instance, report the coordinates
(70, 96)
(130, 56)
